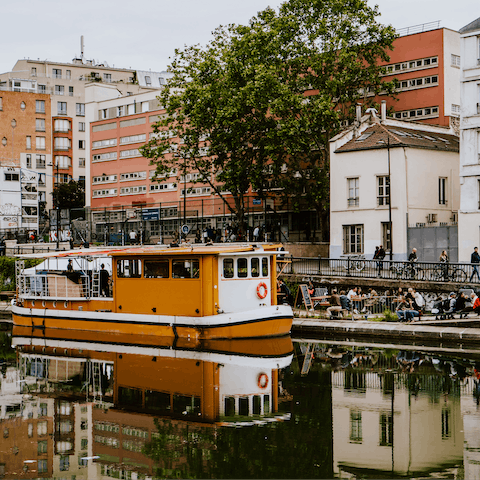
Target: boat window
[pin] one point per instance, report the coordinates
(228, 268)
(243, 406)
(266, 404)
(265, 267)
(257, 404)
(186, 269)
(129, 268)
(242, 268)
(156, 269)
(255, 267)
(229, 408)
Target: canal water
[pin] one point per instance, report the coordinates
(79, 407)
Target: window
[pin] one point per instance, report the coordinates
(386, 429)
(446, 423)
(62, 162)
(129, 268)
(130, 153)
(352, 239)
(109, 192)
(455, 109)
(61, 108)
(42, 447)
(125, 177)
(81, 144)
(242, 268)
(356, 435)
(80, 109)
(41, 180)
(41, 428)
(41, 88)
(105, 179)
(383, 190)
(12, 177)
(107, 77)
(62, 126)
(81, 126)
(156, 269)
(386, 238)
(62, 143)
(64, 463)
(28, 162)
(138, 189)
(104, 143)
(353, 199)
(133, 139)
(59, 89)
(40, 161)
(70, 91)
(40, 106)
(1, 103)
(228, 267)
(81, 162)
(81, 180)
(40, 143)
(185, 269)
(56, 73)
(442, 191)
(42, 465)
(34, 71)
(29, 142)
(148, 80)
(455, 60)
(255, 267)
(105, 157)
(68, 74)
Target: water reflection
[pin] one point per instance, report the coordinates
(131, 407)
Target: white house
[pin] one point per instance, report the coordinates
(469, 213)
(422, 162)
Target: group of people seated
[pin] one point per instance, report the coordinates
(409, 306)
(460, 303)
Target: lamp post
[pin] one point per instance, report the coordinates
(389, 199)
(55, 198)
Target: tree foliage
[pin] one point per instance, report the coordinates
(267, 97)
(69, 195)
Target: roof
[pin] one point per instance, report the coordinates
(197, 249)
(471, 27)
(379, 136)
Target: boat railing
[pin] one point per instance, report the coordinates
(54, 286)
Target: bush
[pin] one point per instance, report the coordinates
(7, 271)
(389, 316)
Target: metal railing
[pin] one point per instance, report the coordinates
(359, 267)
(422, 27)
(54, 287)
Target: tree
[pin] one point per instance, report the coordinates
(260, 103)
(69, 195)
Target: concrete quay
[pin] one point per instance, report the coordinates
(416, 331)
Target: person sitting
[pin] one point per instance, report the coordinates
(335, 305)
(310, 288)
(451, 305)
(460, 305)
(344, 301)
(284, 292)
(476, 303)
(405, 312)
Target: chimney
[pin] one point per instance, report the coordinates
(358, 113)
(383, 115)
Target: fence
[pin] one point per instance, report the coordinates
(357, 267)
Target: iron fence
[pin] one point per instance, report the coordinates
(358, 267)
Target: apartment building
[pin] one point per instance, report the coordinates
(469, 213)
(64, 85)
(426, 62)
(25, 153)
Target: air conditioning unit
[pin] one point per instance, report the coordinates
(431, 218)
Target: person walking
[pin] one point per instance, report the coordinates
(475, 260)
(444, 261)
(380, 257)
(412, 258)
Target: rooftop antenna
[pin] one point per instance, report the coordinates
(81, 47)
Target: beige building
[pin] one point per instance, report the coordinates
(422, 162)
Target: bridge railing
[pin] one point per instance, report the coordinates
(392, 270)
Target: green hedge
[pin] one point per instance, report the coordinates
(7, 271)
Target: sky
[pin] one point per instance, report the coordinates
(144, 35)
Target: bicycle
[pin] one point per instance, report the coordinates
(356, 262)
(441, 273)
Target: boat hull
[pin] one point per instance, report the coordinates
(265, 322)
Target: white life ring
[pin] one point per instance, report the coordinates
(262, 290)
(263, 380)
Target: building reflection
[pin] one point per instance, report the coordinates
(106, 406)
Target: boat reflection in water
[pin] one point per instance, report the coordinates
(130, 406)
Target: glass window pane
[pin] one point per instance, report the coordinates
(156, 269)
(265, 267)
(228, 268)
(242, 268)
(255, 267)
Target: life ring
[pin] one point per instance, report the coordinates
(263, 380)
(259, 290)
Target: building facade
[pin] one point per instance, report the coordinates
(426, 64)
(386, 173)
(469, 214)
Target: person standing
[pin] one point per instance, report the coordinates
(256, 233)
(475, 260)
(444, 261)
(104, 276)
(380, 257)
(412, 258)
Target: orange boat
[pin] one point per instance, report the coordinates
(197, 292)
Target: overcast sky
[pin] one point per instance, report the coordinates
(143, 34)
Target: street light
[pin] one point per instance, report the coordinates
(55, 183)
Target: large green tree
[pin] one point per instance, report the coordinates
(257, 106)
(69, 195)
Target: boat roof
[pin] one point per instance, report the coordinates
(138, 250)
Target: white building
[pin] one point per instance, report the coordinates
(469, 213)
(421, 160)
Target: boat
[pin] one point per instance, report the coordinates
(189, 291)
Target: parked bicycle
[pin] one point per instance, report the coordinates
(441, 273)
(409, 271)
(356, 262)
